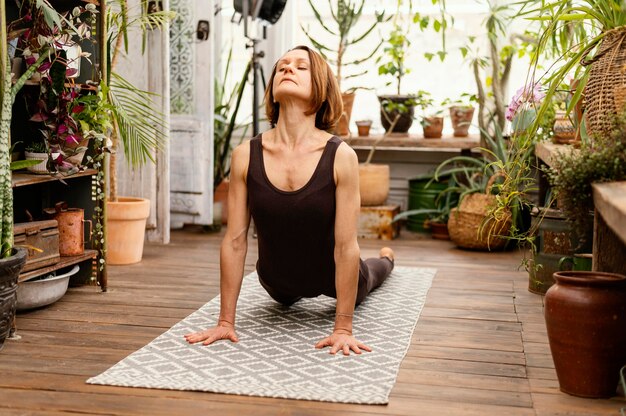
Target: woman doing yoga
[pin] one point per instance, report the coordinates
(300, 185)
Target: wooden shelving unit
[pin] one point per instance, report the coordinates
(64, 262)
(398, 142)
(24, 178)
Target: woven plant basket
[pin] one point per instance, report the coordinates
(606, 87)
(469, 226)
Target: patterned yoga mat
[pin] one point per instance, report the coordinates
(275, 355)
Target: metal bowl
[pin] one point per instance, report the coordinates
(44, 290)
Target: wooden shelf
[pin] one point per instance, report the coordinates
(610, 201)
(23, 178)
(549, 152)
(64, 262)
(400, 142)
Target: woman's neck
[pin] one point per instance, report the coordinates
(293, 126)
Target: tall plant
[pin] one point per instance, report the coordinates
(345, 16)
(136, 122)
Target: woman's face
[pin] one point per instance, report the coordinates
(293, 77)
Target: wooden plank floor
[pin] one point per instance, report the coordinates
(479, 348)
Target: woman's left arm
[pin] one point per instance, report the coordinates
(348, 202)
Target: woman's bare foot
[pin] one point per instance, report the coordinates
(387, 252)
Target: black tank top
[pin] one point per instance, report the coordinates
(295, 229)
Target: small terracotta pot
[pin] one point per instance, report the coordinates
(439, 230)
(363, 127)
(461, 118)
(433, 127)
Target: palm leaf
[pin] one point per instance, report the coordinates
(141, 128)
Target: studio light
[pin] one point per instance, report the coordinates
(267, 10)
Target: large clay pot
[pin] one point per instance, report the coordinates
(373, 184)
(461, 118)
(585, 316)
(405, 119)
(126, 228)
(9, 272)
(343, 126)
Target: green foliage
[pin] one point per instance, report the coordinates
(393, 60)
(574, 173)
(569, 31)
(345, 14)
(226, 105)
(37, 147)
(137, 123)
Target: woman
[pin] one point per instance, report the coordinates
(300, 184)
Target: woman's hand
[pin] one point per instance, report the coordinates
(210, 335)
(342, 341)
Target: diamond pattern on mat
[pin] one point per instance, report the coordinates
(275, 355)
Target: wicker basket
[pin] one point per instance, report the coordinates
(607, 80)
(470, 227)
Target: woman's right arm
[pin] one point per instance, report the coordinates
(233, 251)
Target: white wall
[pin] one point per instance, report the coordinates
(442, 79)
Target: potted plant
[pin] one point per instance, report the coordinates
(345, 17)
(393, 63)
(431, 119)
(573, 173)
(461, 113)
(588, 32)
(137, 124)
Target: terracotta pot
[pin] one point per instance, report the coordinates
(221, 196)
(126, 228)
(363, 127)
(373, 184)
(343, 126)
(406, 118)
(9, 272)
(433, 127)
(461, 118)
(585, 316)
(439, 230)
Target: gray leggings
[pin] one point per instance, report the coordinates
(372, 273)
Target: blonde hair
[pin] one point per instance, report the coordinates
(326, 102)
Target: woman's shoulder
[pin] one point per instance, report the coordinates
(345, 155)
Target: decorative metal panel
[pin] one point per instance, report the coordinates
(182, 58)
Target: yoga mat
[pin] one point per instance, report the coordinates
(275, 355)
